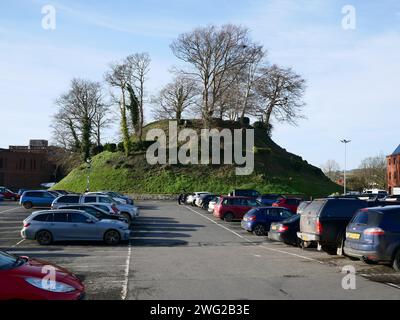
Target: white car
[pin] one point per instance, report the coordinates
(195, 196)
(212, 204)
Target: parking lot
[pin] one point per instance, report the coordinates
(182, 252)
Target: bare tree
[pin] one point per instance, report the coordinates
(101, 120)
(139, 67)
(217, 56)
(331, 169)
(118, 77)
(77, 109)
(280, 94)
(175, 98)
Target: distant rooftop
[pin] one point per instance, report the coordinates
(397, 151)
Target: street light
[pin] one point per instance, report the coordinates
(345, 162)
(88, 167)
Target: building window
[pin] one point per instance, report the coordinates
(394, 161)
(1, 163)
(389, 161)
(390, 176)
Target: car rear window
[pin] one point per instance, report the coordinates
(368, 218)
(33, 194)
(41, 217)
(60, 217)
(68, 199)
(90, 199)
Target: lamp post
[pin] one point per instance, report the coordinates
(345, 162)
(88, 167)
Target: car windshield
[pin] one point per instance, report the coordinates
(7, 261)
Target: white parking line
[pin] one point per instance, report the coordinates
(124, 292)
(9, 210)
(18, 243)
(263, 246)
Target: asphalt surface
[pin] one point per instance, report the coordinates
(181, 252)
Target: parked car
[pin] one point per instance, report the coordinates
(268, 199)
(117, 195)
(289, 203)
(324, 221)
(191, 199)
(21, 278)
(8, 194)
(203, 200)
(129, 212)
(212, 204)
(97, 212)
(50, 226)
(234, 208)
(286, 230)
(373, 235)
(258, 220)
(37, 198)
(249, 193)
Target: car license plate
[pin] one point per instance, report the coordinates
(353, 236)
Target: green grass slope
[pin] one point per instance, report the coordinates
(276, 171)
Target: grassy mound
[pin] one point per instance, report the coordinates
(275, 171)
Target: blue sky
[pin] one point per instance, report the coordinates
(352, 75)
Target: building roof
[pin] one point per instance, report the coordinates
(397, 151)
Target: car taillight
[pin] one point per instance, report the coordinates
(26, 225)
(251, 218)
(283, 228)
(318, 226)
(374, 232)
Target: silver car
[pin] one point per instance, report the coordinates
(127, 211)
(48, 226)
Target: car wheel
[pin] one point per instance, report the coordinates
(396, 260)
(127, 216)
(228, 217)
(112, 237)
(28, 205)
(44, 237)
(259, 230)
(329, 249)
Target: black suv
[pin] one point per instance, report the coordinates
(325, 220)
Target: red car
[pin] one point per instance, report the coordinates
(288, 203)
(234, 208)
(8, 194)
(22, 278)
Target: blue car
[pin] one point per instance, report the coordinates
(373, 235)
(258, 220)
(268, 199)
(37, 198)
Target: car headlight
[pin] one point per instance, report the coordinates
(53, 286)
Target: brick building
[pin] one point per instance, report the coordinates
(393, 170)
(26, 166)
